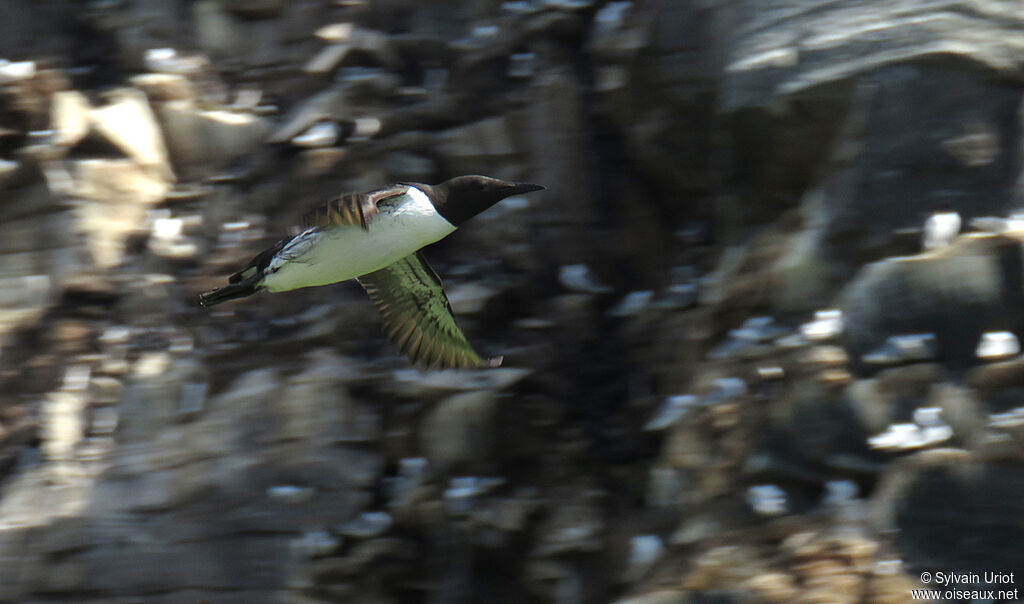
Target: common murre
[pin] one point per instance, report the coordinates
(376, 237)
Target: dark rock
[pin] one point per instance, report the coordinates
(253, 8)
(834, 88)
(931, 489)
(461, 431)
(204, 141)
(956, 293)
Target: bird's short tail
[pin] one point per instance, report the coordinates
(243, 288)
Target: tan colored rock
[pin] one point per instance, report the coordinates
(70, 115)
(661, 596)
(118, 193)
(117, 181)
(62, 424)
(773, 587)
(128, 122)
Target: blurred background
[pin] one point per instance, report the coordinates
(748, 358)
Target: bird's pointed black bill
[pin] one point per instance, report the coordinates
(525, 187)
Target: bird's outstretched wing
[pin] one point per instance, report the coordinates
(418, 317)
(353, 209)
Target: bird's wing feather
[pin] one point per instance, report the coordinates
(417, 316)
(353, 209)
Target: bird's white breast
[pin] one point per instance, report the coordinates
(321, 256)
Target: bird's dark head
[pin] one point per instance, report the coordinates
(463, 197)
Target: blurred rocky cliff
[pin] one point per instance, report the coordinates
(748, 358)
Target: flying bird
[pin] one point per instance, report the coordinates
(376, 238)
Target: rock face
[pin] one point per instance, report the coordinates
(738, 365)
(957, 293)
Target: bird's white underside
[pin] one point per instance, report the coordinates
(321, 256)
